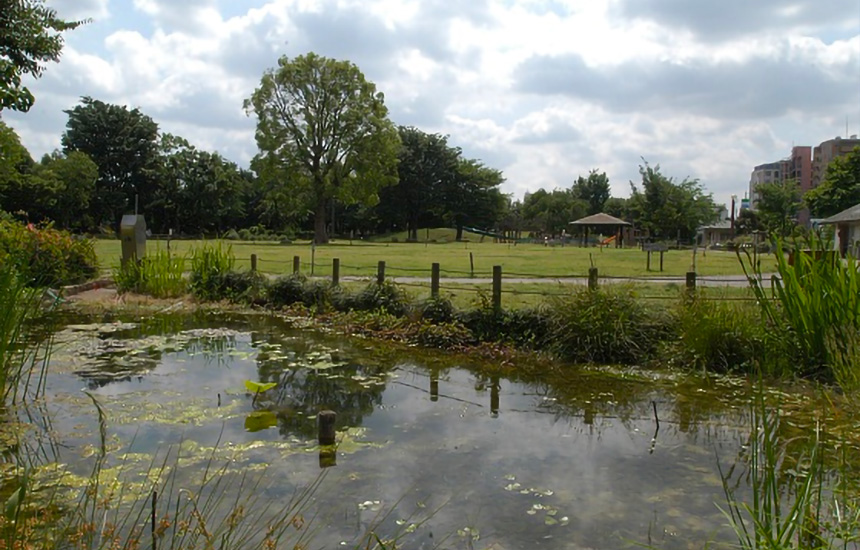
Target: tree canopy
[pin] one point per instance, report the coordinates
(323, 130)
(594, 190)
(669, 210)
(777, 206)
(839, 190)
(30, 36)
(123, 144)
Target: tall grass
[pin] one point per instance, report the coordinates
(210, 265)
(815, 304)
(791, 506)
(160, 275)
(20, 361)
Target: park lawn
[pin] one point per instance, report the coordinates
(414, 259)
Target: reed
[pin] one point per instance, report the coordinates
(160, 275)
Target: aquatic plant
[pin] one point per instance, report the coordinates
(385, 296)
(210, 265)
(160, 275)
(792, 505)
(814, 306)
(606, 326)
(22, 361)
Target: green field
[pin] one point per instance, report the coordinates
(360, 258)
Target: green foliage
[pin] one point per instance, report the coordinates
(718, 336)
(210, 265)
(32, 36)
(526, 328)
(287, 290)
(444, 335)
(815, 306)
(437, 310)
(668, 209)
(324, 128)
(777, 207)
(606, 326)
(45, 256)
(840, 188)
(550, 213)
(20, 358)
(594, 190)
(159, 275)
(247, 287)
(123, 145)
(387, 297)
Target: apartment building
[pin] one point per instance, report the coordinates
(765, 173)
(826, 152)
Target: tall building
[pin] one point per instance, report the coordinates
(799, 169)
(826, 152)
(765, 173)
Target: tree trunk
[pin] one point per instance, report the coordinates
(320, 235)
(459, 233)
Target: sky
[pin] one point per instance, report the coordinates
(543, 90)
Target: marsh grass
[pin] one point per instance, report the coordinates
(793, 504)
(814, 305)
(210, 264)
(159, 275)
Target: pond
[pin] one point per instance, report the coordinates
(440, 447)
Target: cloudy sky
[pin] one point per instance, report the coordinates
(544, 90)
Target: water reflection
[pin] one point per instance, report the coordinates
(575, 461)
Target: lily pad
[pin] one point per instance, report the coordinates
(260, 420)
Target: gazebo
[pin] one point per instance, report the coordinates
(600, 222)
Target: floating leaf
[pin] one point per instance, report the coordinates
(258, 387)
(260, 420)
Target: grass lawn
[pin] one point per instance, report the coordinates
(404, 259)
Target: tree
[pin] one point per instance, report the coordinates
(839, 190)
(669, 210)
(75, 178)
(123, 144)
(326, 132)
(594, 190)
(30, 36)
(472, 198)
(747, 222)
(777, 206)
(551, 213)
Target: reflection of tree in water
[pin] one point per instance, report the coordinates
(351, 389)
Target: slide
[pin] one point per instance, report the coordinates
(610, 240)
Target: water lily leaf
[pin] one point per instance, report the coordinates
(258, 387)
(260, 420)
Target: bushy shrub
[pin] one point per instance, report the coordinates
(527, 328)
(386, 297)
(342, 299)
(45, 256)
(446, 335)
(606, 326)
(317, 294)
(718, 336)
(210, 265)
(287, 290)
(158, 275)
(249, 287)
(437, 310)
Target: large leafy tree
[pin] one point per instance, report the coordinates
(777, 206)
(550, 213)
(472, 198)
(73, 179)
(325, 132)
(426, 164)
(15, 160)
(669, 209)
(840, 188)
(30, 36)
(594, 190)
(200, 192)
(124, 145)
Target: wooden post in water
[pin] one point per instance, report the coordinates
(592, 278)
(325, 421)
(497, 288)
(434, 280)
(380, 272)
(253, 262)
(335, 271)
(494, 396)
(297, 264)
(434, 385)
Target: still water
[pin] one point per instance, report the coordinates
(458, 455)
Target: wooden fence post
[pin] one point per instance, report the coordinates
(253, 262)
(380, 272)
(434, 280)
(335, 271)
(326, 422)
(691, 280)
(661, 261)
(497, 288)
(592, 278)
(297, 263)
(472, 264)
